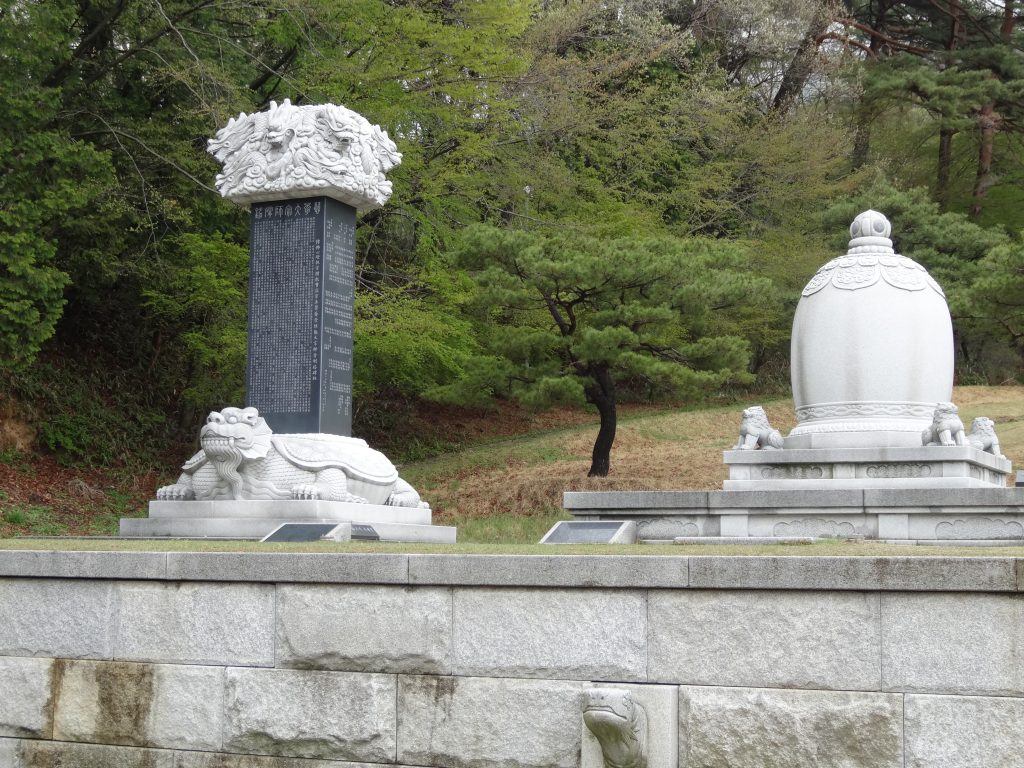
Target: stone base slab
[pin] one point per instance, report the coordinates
(256, 519)
(989, 514)
(919, 467)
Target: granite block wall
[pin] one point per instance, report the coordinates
(161, 660)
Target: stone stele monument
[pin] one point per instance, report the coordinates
(288, 456)
(879, 450)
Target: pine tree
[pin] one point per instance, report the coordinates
(577, 319)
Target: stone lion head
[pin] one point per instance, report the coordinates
(983, 425)
(293, 151)
(756, 415)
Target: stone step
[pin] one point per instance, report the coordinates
(289, 509)
(257, 528)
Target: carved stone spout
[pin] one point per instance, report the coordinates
(620, 725)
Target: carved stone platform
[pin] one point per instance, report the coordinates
(900, 514)
(889, 467)
(255, 519)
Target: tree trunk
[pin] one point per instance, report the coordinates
(601, 393)
(988, 122)
(956, 36)
(802, 65)
(942, 173)
(864, 115)
(983, 180)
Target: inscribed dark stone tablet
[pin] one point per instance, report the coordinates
(301, 306)
(583, 532)
(363, 532)
(300, 532)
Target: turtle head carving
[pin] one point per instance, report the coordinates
(235, 431)
(619, 723)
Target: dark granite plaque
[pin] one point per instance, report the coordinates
(300, 532)
(364, 532)
(583, 532)
(301, 300)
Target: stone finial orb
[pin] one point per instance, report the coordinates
(870, 224)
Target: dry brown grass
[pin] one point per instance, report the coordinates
(669, 451)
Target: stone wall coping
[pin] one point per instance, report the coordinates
(754, 572)
(895, 499)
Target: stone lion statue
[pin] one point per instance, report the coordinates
(241, 458)
(756, 432)
(946, 427)
(983, 436)
(620, 725)
(289, 151)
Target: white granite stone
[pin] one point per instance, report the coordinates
(83, 565)
(364, 628)
(989, 525)
(764, 639)
(10, 753)
(917, 574)
(35, 615)
(872, 344)
(593, 634)
(757, 728)
(661, 707)
(295, 510)
(548, 570)
(25, 697)
(953, 643)
(309, 567)
(152, 705)
(964, 731)
(183, 759)
(623, 501)
(292, 151)
(337, 715)
(825, 524)
(467, 722)
(196, 623)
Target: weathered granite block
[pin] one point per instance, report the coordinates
(364, 628)
(59, 754)
(762, 728)
(578, 635)
(765, 639)
(354, 567)
(548, 570)
(143, 705)
(196, 623)
(35, 615)
(24, 697)
(987, 574)
(952, 643)
(964, 731)
(225, 760)
(10, 750)
(84, 565)
(339, 715)
(467, 722)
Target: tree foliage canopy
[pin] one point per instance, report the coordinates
(667, 174)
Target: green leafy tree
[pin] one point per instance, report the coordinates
(578, 319)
